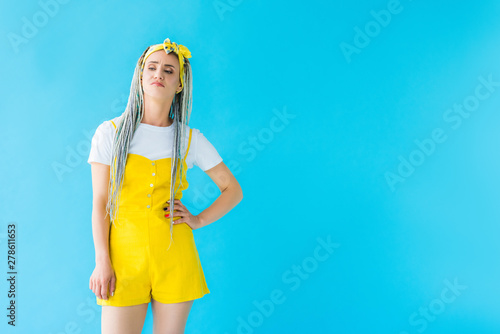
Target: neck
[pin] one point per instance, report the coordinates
(156, 111)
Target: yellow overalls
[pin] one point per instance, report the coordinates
(140, 236)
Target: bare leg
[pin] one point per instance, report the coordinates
(123, 319)
(170, 318)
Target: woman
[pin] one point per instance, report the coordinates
(144, 246)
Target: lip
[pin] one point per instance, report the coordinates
(156, 83)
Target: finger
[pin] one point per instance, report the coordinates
(178, 210)
(180, 220)
(112, 285)
(97, 290)
(176, 214)
(176, 221)
(167, 207)
(180, 206)
(104, 290)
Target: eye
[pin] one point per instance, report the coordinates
(152, 69)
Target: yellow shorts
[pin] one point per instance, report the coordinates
(144, 269)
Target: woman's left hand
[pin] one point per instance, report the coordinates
(185, 216)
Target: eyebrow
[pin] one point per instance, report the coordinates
(155, 62)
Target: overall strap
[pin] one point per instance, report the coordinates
(113, 124)
(189, 143)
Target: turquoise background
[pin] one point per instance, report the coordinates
(361, 150)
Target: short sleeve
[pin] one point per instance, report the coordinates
(101, 146)
(205, 155)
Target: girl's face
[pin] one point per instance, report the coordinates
(160, 76)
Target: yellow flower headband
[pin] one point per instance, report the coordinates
(181, 51)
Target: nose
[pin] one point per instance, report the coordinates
(158, 73)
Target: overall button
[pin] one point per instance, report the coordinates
(153, 163)
(153, 174)
(151, 185)
(149, 195)
(149, 206)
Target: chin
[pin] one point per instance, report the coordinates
(156, 95)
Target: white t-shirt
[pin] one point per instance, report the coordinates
(153, 142)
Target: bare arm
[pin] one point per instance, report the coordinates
(103, 274)
(100, 220)
(231, 194)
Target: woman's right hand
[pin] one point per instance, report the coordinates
(102, 276)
